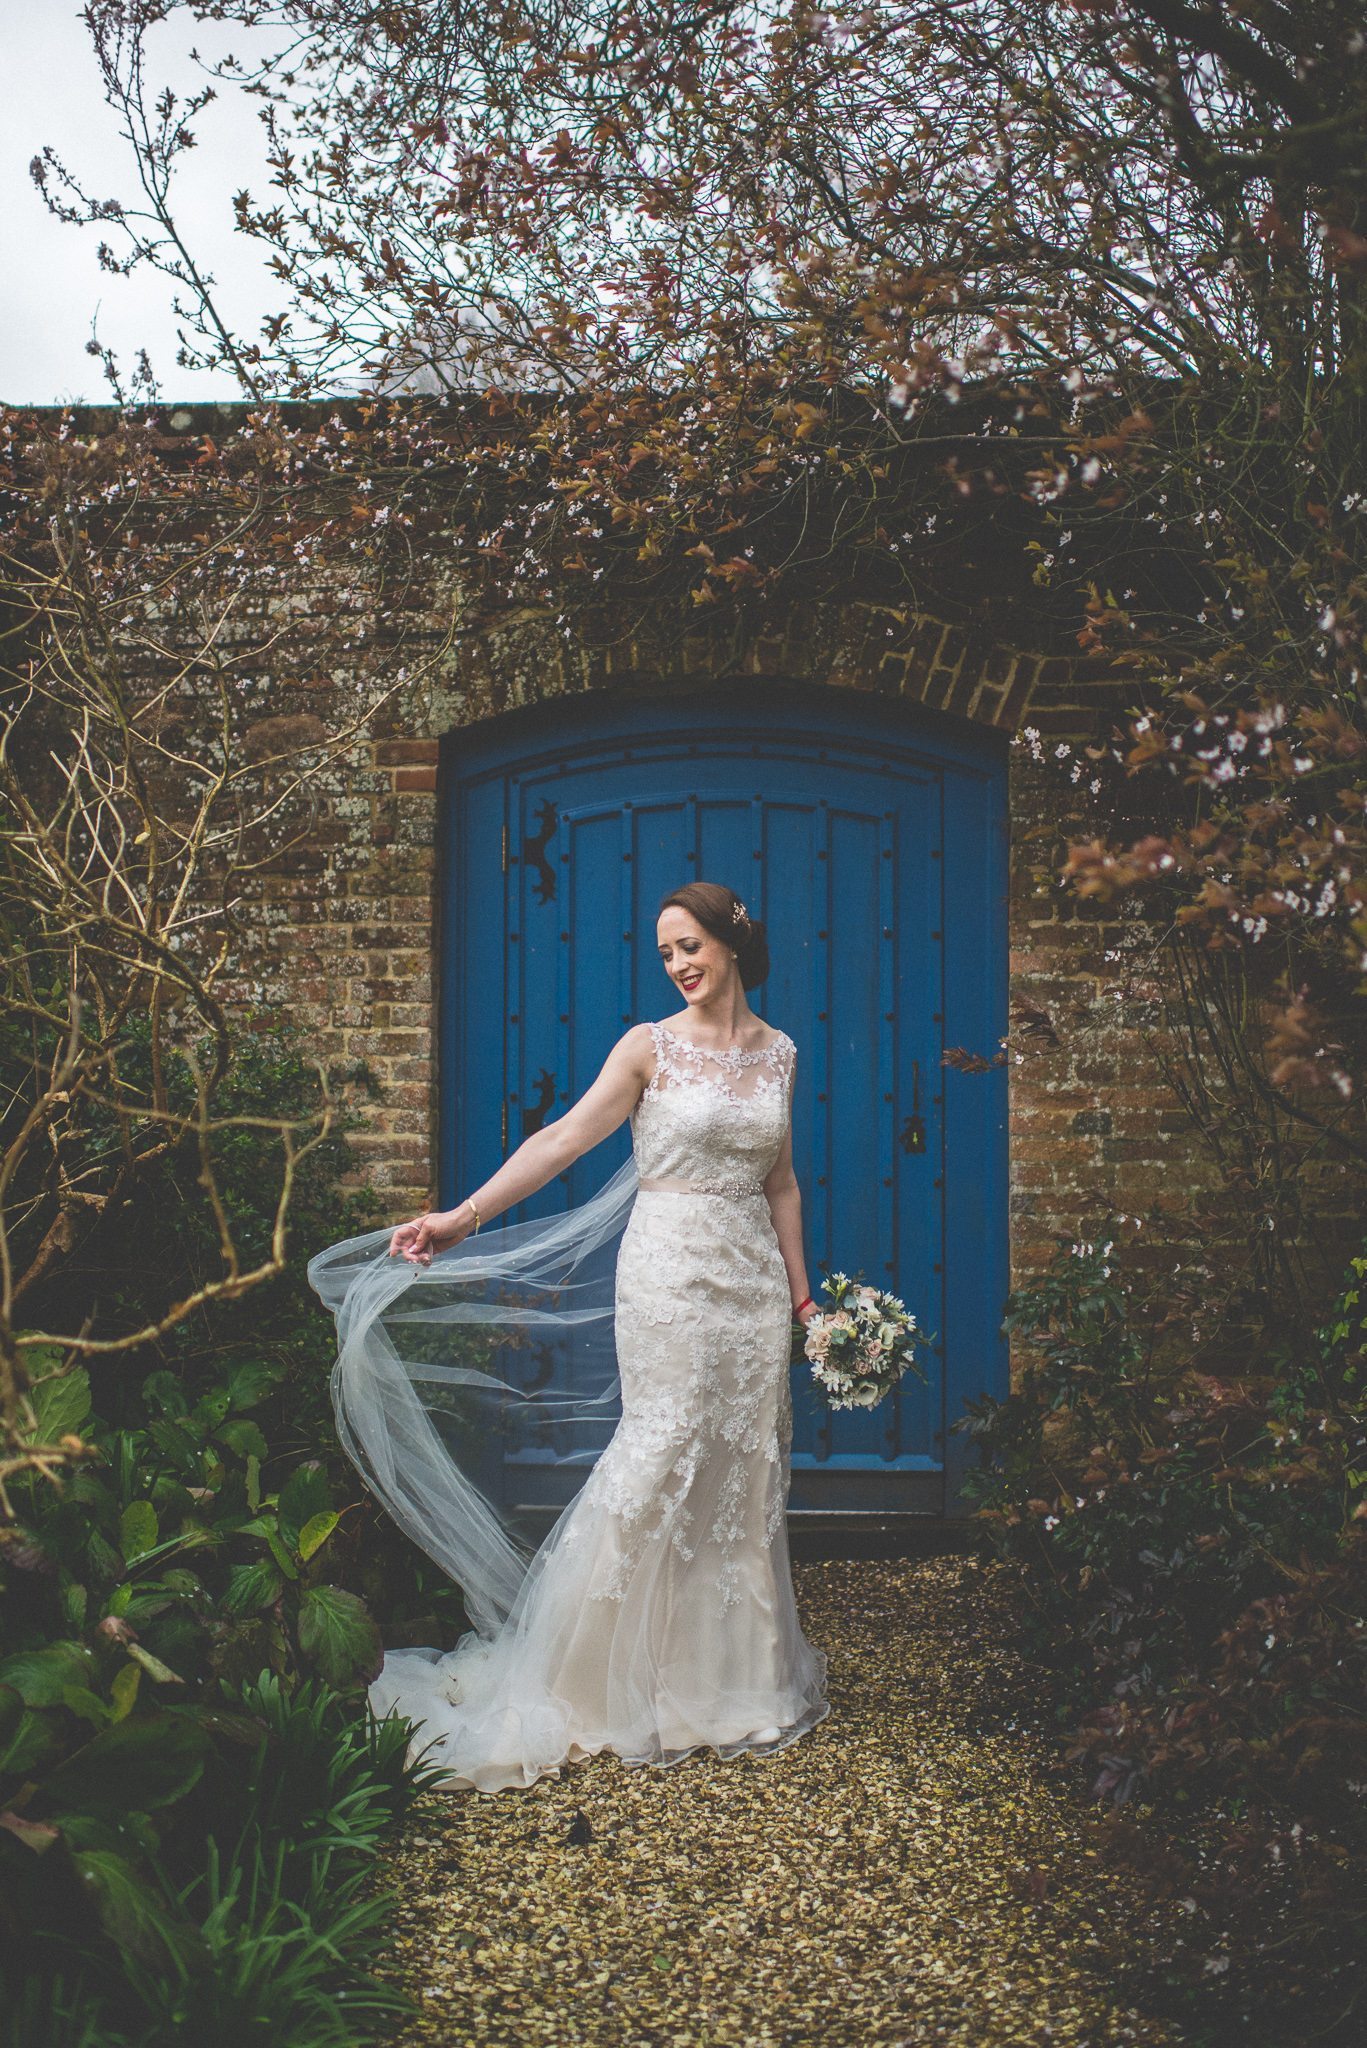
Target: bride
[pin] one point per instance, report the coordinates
(657, 1618)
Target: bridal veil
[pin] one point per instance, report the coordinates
(505, 1339)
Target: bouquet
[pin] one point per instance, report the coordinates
(861, 1346)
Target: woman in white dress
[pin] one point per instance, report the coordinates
(657, 1617)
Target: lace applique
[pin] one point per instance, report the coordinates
(766, 1068)
(700, 1460)
(699, 1129)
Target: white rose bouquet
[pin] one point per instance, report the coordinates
(861, 1346)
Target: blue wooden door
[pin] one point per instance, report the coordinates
(872, 841)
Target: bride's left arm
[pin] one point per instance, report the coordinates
(599, 1111)
(785, 1206)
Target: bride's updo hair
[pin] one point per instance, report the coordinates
(720, 911)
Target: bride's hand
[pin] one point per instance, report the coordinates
(809, 1310)
(434, 1231)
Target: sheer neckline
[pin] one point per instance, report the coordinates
(739, 1054)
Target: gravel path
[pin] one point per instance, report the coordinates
(911, 1872)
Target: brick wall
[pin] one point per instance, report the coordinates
(1093, 1123)
(344, 933)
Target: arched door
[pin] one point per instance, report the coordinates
(872, 841)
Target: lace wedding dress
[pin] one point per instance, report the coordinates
(657, 1617)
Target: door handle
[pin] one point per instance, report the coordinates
(913, 1138)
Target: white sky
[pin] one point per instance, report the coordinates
(53, 286)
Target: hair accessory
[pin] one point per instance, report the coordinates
(739, 913)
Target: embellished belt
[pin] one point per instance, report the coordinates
(724, 1184)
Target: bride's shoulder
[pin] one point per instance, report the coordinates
(638, 1043)
(784, 1052)
(776, 1038)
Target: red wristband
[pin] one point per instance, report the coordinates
(807, 1302)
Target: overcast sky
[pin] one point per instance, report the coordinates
(53, 286)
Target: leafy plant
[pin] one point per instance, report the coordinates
(214, 1874)
(1194, 1549)
(192, 1785)
(177, 1550)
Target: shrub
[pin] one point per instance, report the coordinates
(1194, 1547)
(192, 1785)
(208, 1881)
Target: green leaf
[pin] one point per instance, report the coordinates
(212, 1409)
(245, 1437)
(123, 1690)
(306, 1493)
(187, 1539)
(133, 1914)
(104, 1560)
(163, 1390)
(37, 1737)
(61, 1402)
(231, 1723)
(38, 1676)
(338, 1635)
(184, 1583)
(251, 1587)
(250, 1382)
(100, 1831)
(150, 1600)
(141, 1763)
(281, 1554)
(11, 1711)
(177, 1438)
(41, 1361)
(90, 1707)
(153, 1666)
(138, 1529)
(316, 1531)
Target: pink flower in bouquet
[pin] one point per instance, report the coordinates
(861, 1349)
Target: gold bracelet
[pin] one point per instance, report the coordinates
(474, 1212)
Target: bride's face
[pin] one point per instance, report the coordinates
(697, 964)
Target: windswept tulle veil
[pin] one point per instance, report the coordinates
(502, 1346)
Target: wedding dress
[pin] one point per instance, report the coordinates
(657, 1617)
